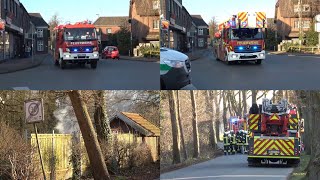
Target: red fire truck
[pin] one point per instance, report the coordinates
(241, 38)
(76, 43)
(274, 134)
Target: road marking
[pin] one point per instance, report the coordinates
(232, 176)
(20, 88)
(291, 55)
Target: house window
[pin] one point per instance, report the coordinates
(109, 30)
(39, 33)
(200, 42)
(5, 4)
(156, 24)
(200, 31)
(40, 45)
(305, 8)
(305, 24)
(156, 4)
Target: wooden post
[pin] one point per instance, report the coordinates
(36, 131)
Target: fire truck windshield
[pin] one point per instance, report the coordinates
(78, 34)
(246, 34)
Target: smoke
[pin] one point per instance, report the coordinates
(67, 121)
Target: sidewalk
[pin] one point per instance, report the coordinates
(13, 65)
(143, 59)
(293, 53)
(197, 54)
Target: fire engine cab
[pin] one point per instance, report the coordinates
(76, 43)
(241, 38)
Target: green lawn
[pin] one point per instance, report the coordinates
(298, 172)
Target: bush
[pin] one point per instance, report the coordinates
(16, 156)
(149, 51)
(311, 38)
(121, 154)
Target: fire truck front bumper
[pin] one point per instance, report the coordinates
(232, 56)
(81, 57)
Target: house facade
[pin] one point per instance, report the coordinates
(202, 32)
(41, 38)
(186, 31)
(145, 23)
(287, 17)
(16, 24)
(110, 25)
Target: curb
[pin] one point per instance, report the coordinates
(141, 60)
(26, 67)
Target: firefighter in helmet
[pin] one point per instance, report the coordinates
(233, 142)
(226, 142)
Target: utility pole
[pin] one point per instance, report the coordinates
(300, 24)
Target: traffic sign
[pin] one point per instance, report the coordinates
(34, 111)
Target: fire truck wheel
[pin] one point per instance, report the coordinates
(93, 65)
(230, 62)
(258, 61)
(62, 64)
(56, 62)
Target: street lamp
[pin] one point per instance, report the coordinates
(131, 48)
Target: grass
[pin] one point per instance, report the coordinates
(299, 172)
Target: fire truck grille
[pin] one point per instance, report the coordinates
(81, 49)
(248, 49)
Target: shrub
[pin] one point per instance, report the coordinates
(16, 159)
(150, 51)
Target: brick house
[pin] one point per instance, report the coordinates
(287, 18)
(16, 20)
(110, 25)
(145, 23)
(41, 33)
(202, 31)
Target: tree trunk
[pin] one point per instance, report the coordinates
(175, 128)
(101, 118)
(254, 96)
(244, 98)
(185, 155)
(97, 163)
(196, 144)
(210, 110)
(224, 111)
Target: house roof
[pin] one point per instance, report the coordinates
(37, 19)
(286, 8)
(139, 123)
(197, 19)
(112, 21)
(145, 8)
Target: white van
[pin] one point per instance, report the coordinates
(175, 68)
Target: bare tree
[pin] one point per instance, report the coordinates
(175, 128)
(210, 109)
(196, 144)
(99, 168)
(185, 155)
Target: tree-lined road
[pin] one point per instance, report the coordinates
(276, 72)
(232, 167)
(109, 75)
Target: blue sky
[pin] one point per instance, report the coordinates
(77, 10)
(223, 9)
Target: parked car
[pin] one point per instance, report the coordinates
(110, 52)
(175, 68)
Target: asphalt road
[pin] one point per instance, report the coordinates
(232, 167)
(276, 72)
(109, 75)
